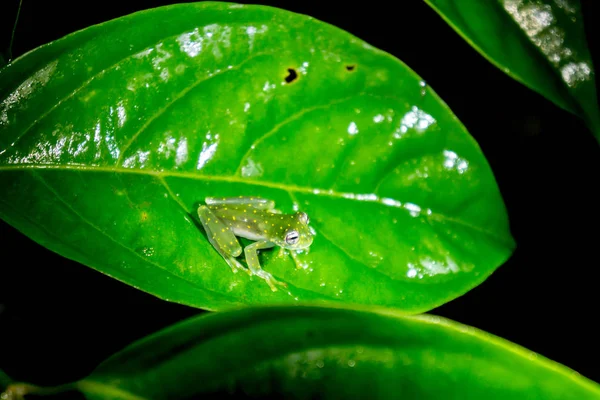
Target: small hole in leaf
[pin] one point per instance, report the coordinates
(292, 75)
(350, 67)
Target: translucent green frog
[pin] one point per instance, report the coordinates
(255, 219)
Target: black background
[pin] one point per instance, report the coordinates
(59, 319)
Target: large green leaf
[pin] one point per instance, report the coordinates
(307, 353)
(111, 137)
(540, 43)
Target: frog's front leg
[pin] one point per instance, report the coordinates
(283, 253)
(254, 265)
(222, 238)
(299, 264)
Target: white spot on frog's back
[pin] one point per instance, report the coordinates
(250, 234)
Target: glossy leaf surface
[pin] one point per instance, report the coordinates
(306, 353)
(112, 136)
(539, 43)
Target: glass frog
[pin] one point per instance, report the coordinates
(255, 219)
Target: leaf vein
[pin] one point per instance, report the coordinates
(180, 96)
(237, 179)
(286, 121)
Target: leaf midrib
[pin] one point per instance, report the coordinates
(288, 188)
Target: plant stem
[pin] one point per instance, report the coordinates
(12, 37)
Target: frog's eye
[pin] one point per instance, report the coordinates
(303, 217)
(292, 237)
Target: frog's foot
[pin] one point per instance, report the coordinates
(237, 266)
(272, 282)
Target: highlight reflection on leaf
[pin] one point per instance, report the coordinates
(540, 43)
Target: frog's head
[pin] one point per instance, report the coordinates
(297, 236)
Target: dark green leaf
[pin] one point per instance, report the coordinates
(308, 353)
(4, 381)
(540, 43)
(111, 137)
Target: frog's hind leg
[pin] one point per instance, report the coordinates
(255, 202)
(254, 265)
(222, 238)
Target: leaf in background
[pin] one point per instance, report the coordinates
(540, 43)
(4, 381)
(110, 137)
(308, 353)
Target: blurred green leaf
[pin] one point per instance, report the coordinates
(4, 380)
(307, 353)
(111, 136)
(540, 43)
